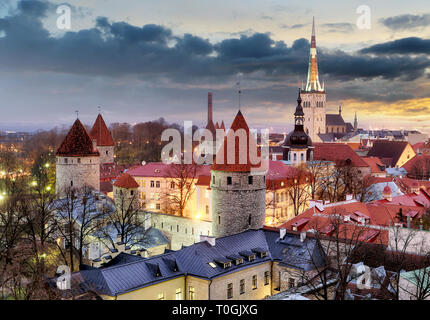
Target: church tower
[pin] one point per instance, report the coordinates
(314, 96)
(238, 185)
(78, 163)
(102, 140)
(298, 146)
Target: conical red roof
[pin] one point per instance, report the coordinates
(217, 125)
(241, 163)
(101, 133)
(222, 126)
(126, 181)
(77, 143)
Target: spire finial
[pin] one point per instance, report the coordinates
(77, 114)
(239, 90)
(313, 26)
(299, 98)
(99, 109)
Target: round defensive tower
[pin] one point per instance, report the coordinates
(239, 185)
(78, 164)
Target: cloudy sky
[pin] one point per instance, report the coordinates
(143, 59)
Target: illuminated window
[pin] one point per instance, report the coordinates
(178, 294)
(266, 278)
(213, 265)
(230, 291)
(254, 282)
(242, 286)
(161, 296)
(192, 293)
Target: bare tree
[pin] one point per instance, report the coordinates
(180, 188)
(298, 190)
(126, 223)
(79, 218)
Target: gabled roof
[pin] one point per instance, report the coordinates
(231, 146)
(77, 143)
(338, 153)
(126, 181)
(101, 134)
(388, 151)
(375, 164)
(334, 120)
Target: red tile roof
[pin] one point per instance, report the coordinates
(101, 133)
(163, 170)
(221, 162)
(374, 163)
(418, 146)
(419, 161)
(407, 184)
(377, 214)
(338, 153)
(77, 143)
(126, 181)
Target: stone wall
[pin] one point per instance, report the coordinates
(106, 154)
(180, 230)
(77, 172)
(240, 206)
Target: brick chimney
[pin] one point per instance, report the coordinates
(210, 118)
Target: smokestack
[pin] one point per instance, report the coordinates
(210, 107)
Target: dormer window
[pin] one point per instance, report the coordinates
(223, 262)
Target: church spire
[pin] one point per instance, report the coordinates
(313, 83)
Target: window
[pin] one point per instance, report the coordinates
(177, 228)
(242, 286)
(213, 179)
(230, 291)
(66, 160)
(301, 157)
(266, 278)
(207, 209)
(219, 219)
(107, 152)
(158, 206)
(295, 156)
(254, 282)
(229, 180)
(250, 179)
(161, 296)
(178, 294)
(157, 184)
(131, 192)
(152, 183)
(192, 293)
(79, 160)
(71, 183)
(172, 185)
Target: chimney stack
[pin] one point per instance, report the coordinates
(210, 119)
(208, 239)
(282, 233)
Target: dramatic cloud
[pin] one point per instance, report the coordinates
(339, 27)
(406, 21)
(410, 45)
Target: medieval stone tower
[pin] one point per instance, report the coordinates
(125, 192)
(78, 164)
(238, 184)
(314, 96)
(102, 140)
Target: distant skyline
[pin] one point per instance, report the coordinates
(142, 60)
